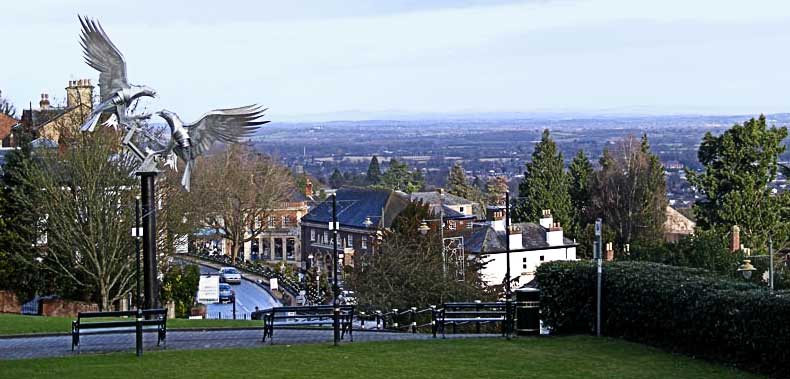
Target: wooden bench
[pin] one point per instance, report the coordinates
(306, 316)
(152, 320)
(469, 313)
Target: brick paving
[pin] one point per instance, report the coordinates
(59, 346)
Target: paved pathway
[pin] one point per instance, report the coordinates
(57, 346)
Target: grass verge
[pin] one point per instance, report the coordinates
(552, 357)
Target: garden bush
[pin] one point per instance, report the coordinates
(683, 309)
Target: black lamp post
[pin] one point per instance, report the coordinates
(508, 316)
(335, 287)
(137, 234)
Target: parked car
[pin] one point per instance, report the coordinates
(347, 298)
(229, 275)
(226, 293)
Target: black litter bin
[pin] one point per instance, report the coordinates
(527, 312)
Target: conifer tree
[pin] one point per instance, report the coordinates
(457, 184)
(374, 171)
(545, 185)
(580, 172)
(738, 166)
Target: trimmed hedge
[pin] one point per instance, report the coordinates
(684, 309)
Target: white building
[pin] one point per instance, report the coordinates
(531, 244)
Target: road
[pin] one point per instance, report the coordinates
(248, 296)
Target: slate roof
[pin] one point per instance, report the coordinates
(487, 239)
(433, 198)
(356, 204)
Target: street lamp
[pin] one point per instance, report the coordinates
(423, 228)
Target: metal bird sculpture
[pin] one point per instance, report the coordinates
(188, 141)
(115, 91)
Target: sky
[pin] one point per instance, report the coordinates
(354, 59)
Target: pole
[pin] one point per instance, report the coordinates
(148, 189)
(771, 262)
(335, 287)
(508, 316)
(138, 303)
(598, 258)
(139, 332)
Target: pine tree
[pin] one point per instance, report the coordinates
(580, 172)
(457, 184)
(336, 180)
(374, 171)
(738, 165)
(495, 190)
(399, 178)
(545, 185)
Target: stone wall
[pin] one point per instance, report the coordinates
(9, 303)
(66, 308)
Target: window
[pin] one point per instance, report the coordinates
(272, 222)
(312, 234)
(542, 257)
(350, 241)
(290, 249)
(286, 220)
(469, 224)
(326, 237)
(364, 241)
(461, 209)
(524, 260)
(524, 266)
(451, 224)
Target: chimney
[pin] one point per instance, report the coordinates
(79, 92)
(609, 252)
(554, 235)
(495, 215)
(546, 220)
(308, 188)
(735, 239)
(44, 102)
(516, 241)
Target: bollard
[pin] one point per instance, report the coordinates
(362, 320)
(414, 319)
(394, 318)
(433, 320)
(378, 320)
(477, 310)
(139, 332)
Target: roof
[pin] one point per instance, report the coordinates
(676, 222)
(434, 199)
(6, 123)
(354, 205)
(489, 240)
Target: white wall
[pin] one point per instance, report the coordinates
(494, 272)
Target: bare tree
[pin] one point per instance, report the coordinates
(629, 192)
(86, 212)
(6, 107)
(234, 192)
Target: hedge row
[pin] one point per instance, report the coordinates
(683, 309)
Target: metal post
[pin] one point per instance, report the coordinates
(138, 303)
(335, 287)
(139, 332)
(234, 307)
(148, 189)
(598, 257)
(771, 262)
(508, 318)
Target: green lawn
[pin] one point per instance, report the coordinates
(548, 357)
(18, 324)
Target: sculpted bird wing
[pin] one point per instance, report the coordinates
(224, 125)
(102, 55)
